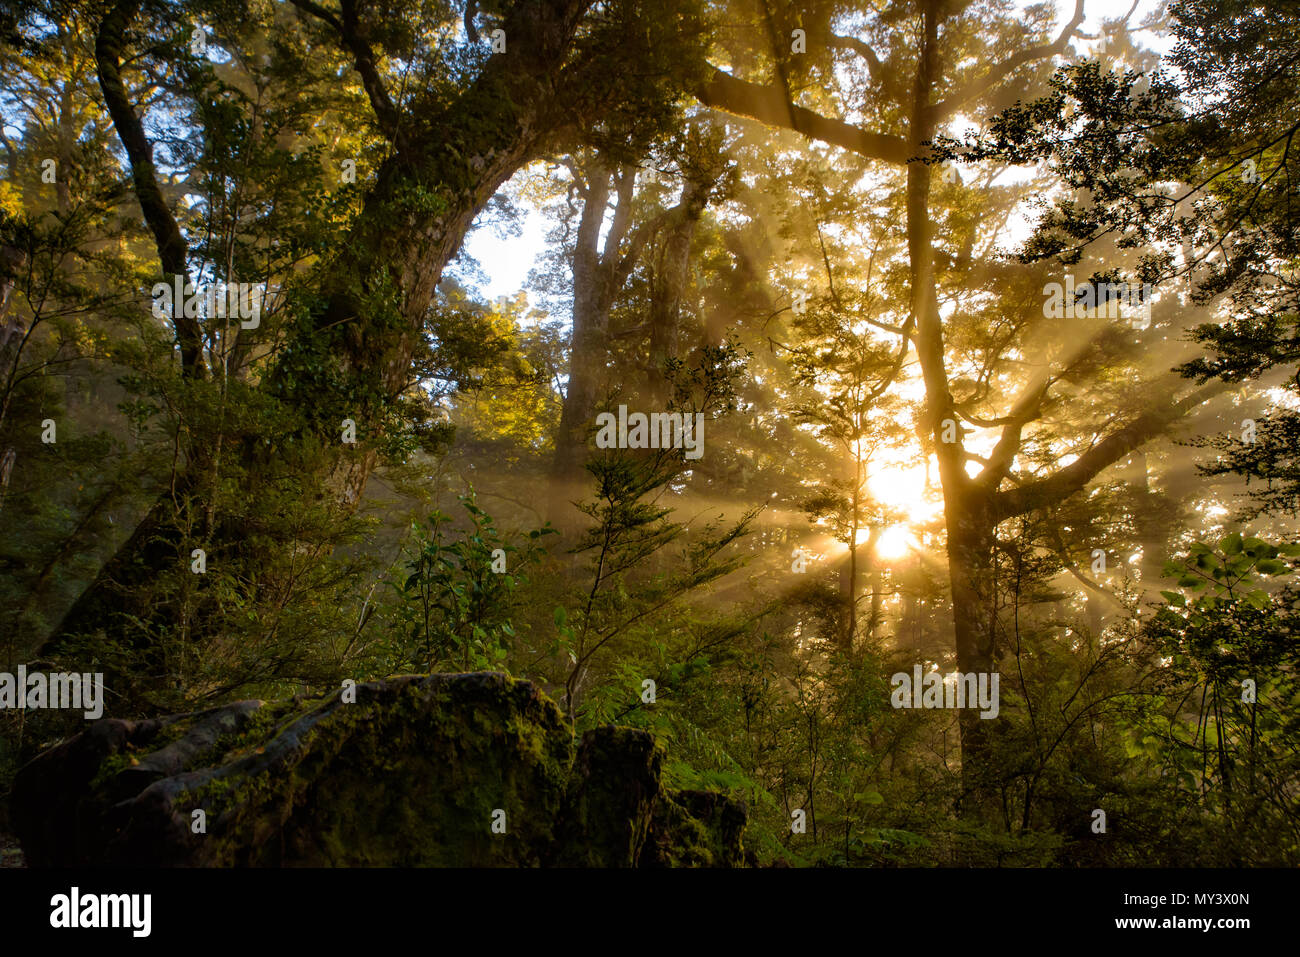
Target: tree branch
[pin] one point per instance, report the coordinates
(1069, 564)
(1073, 477)
(1027, 408)
(862, 50)
(946, 107)
(173, 250)
(625, 184)
(349, 32)
(768, 105)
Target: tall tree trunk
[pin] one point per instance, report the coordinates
(589, 342)
(599, 274)
(970, 568)
(967, 512)
(12, 331)
(668, 285)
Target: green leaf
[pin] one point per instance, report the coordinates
(1231, 545)
(1256, 547)
(1175, 598)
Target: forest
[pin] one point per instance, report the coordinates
(876, 421)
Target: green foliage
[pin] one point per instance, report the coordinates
(457, 593)
(1231, 636)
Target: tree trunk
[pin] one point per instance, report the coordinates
(967, 511)
(970, 568)
(589, 343)
(668, 286)
(877, 598)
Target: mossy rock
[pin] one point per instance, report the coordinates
(612, 797)
(695, 829)
(415, 772)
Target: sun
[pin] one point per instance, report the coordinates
(902, 488)
(893, 542)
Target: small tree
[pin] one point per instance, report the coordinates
(454, 605)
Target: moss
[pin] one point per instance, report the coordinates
(259, 727)
(696, 829)
(408, 775)
(616, 779)
(113, 765)
(462, 749)
(141, 739)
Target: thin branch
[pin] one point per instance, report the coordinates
(946, 107)
(349, 31)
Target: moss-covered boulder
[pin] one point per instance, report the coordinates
(613, 793)
(442, 770)
(694, 829)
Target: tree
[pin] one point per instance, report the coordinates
(925, 42)
(656, 240)
(354, 322)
